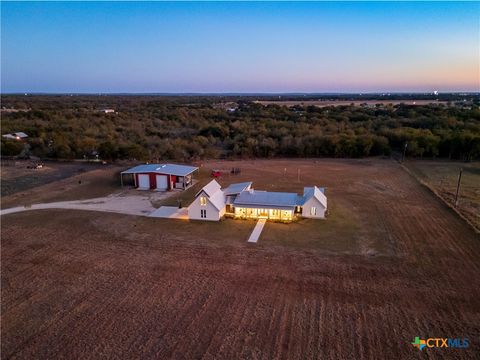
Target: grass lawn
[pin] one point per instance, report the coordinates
(202, 177)
(338, 233)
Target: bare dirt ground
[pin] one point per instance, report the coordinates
(57, 182)
(390, 263)
(17, 177)
(324, 103)
(442, 176)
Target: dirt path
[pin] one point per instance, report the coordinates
(132, 206)
(140, 205)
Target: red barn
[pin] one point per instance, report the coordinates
(160, 177)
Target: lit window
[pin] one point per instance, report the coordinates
(313, 210)
(203, 200)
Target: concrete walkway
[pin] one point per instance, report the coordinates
(170, 212)
(257, 230)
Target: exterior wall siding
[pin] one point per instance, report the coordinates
(153, 179)
(313, 202)
(213, 214)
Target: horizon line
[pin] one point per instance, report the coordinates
(383, 93)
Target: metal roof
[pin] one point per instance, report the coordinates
(217, 199)
(214, 193)
(276, 207)
(237, 188)
(318, 193)
(170, 169)
(15, 135)
(211, 188)
(266, 198)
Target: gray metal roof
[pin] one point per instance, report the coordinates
(267, 199)
(211, 188)
(316, 192)
(236, 188)
(276, 207)
(171, 169)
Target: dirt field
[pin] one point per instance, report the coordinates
(443, 177)
(390, 263)
(324, 103)
(56, 182)
(17, 177)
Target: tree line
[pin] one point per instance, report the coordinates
(189, 128)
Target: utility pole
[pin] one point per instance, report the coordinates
(404, 151)
(458, 187)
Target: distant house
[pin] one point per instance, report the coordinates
(241, 201)
(108, 111)
(160, 177)
(15, 136)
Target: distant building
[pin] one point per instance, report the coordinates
(108, 111)
(15, 136)
(227, 106)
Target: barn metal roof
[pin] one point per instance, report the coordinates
(170, 169)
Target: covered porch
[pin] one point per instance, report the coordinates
(277, 213)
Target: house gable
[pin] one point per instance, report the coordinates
(209, 203)
(313, 208)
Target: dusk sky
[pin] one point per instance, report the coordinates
(239, 47)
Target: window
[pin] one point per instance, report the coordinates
(313, 210)
(203, 214)
(203, 200)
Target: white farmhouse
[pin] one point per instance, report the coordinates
(209, 203)
(242, 202)
(314, 202)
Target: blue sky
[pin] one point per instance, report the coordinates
(239, 47)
